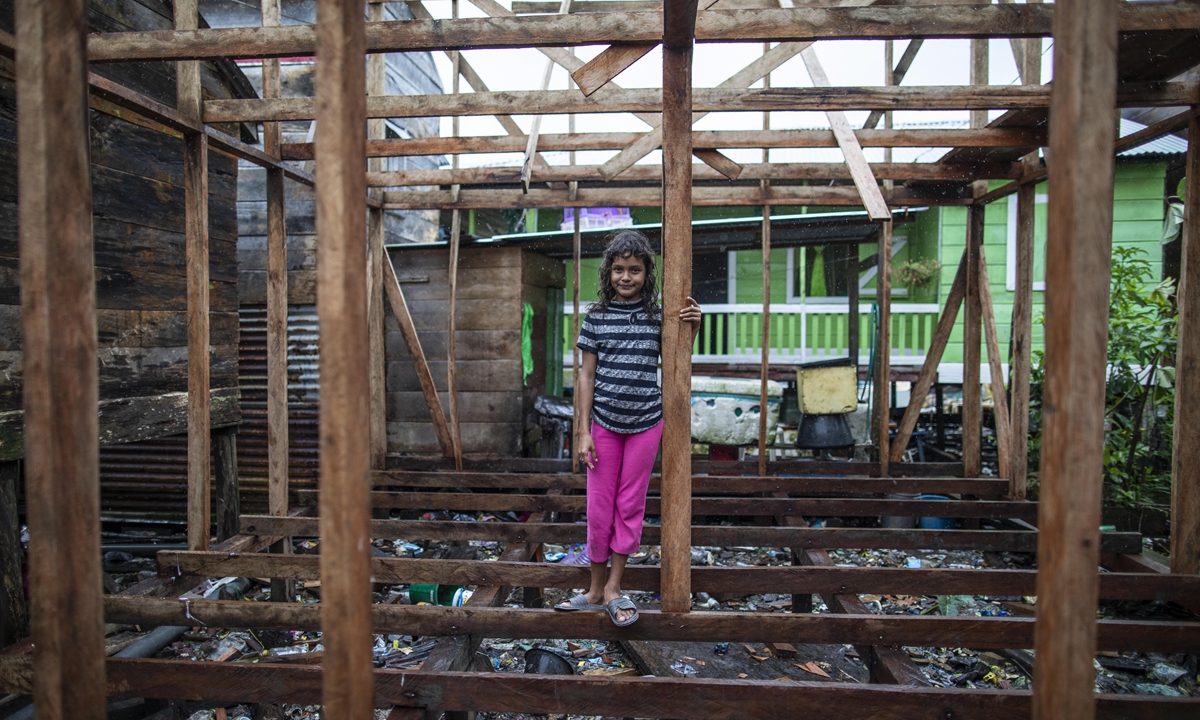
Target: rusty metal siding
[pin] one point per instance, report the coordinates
(148, 480)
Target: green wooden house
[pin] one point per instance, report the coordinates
(810, 282)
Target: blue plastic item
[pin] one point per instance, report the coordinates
(935, 523)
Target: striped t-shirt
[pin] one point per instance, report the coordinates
(627, 345)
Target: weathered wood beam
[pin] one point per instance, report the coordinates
(806, 579)
(999, 398)
(376, 232)
(776, 25)
(972, 412)
(933, 357)
(1078, 253)
(725, 536)
(560, 102)
(536, 129)
(702, 506)
(1185, 481)
(348, 687)
(972, 632)
(451, 352)
(701, 139)
(615, 59)
(618, 697)
(883, 348)
(195, 169)
(61, 391)
(1020, 365)
(981, 487)
(572, 64)
(676, 541)
(898, 73)
(639, 197)
(408, 331)
(1035, 174)
(277, 312)
(765, 359)
(653, 173)
(856, 162)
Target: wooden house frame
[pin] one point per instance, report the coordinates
(63, 664)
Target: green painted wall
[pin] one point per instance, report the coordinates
(1137, 222)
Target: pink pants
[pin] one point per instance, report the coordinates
(616, 490)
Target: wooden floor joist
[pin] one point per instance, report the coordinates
(619, 697)
(1123, 585)
(720, 535)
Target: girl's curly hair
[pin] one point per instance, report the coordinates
(626, 244)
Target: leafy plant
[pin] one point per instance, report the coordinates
(1139, 388)
(915, 273)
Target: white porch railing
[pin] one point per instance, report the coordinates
(800, 332)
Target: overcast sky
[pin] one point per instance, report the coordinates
(847, 62)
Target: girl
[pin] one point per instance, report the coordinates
(620, 407)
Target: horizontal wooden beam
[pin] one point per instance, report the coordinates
(701, 139)
(775, 25)
(724, 536)
(987, 488)
(555, 695)
(560, 102)
(1134, 139)
(700, 171)
(704, 196)
(738, 580)
(810, 507)
(966, 632)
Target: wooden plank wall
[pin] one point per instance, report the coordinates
(138, 209)
(493, 402)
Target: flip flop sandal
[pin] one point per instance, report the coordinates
(621, 603)
(579, 602)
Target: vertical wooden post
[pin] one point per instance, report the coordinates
(1022, 338)
(883, 351)
(376, 130)
(852, 340)
(228, 492)
(1185, 481)
(451, 349)
(277, 315)
(577, 421)
(455, 232)
(195, 171)
(14, 609)
(979, 76)
(1022, 312)
(1083, 128)
(61, 397)
(972, 410)
(766, 332)
(676, 552)
(345, 507)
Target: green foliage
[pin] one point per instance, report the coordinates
(1140, 385)
(914, 273)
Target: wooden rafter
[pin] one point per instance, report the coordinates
(729, 99)
(775, 25)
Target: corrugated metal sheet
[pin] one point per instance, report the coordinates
(303, 392)
(148, 480)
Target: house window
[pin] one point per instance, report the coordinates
(821, 273)
(1039, 243)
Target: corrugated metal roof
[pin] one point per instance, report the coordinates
(1165, 145)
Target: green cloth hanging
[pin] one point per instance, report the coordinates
(818, 273)
(527, 344)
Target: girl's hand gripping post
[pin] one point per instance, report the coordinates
(692, 314)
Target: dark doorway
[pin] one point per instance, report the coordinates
(710, 277)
